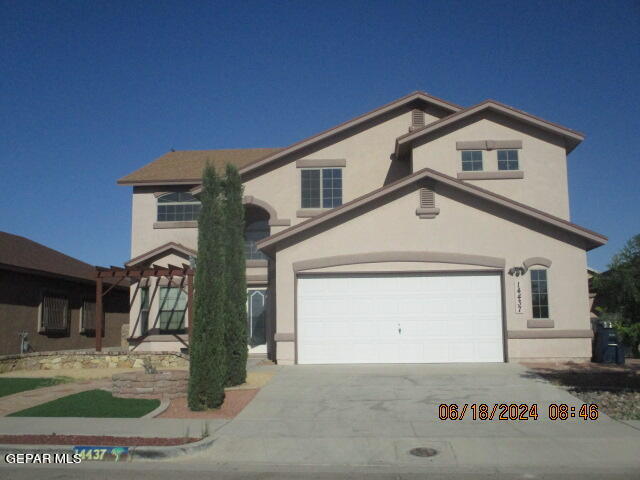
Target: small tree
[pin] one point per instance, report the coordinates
(618, 291)
(236, 297)
(208, 362)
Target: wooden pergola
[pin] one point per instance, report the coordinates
(155, 271)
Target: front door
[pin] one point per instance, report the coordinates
(256, 320)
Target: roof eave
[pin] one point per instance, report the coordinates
(571, 137)
(591, 239)
(141, 183)
(399, 103)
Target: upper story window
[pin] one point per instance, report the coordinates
(178, 207)
(539, 295)
(256, 228)
(508, 160)
(471, 160)
(321, 187)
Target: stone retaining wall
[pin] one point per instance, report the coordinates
(59, 360)
(168, 384)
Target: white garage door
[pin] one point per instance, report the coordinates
(399, 318)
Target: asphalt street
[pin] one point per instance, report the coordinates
(179, 470)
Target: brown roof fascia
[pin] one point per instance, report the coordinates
(573, 228)
(406, 139)
(162, 248)
(142, 183)
(56, 276)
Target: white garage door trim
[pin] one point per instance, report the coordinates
(444, 317)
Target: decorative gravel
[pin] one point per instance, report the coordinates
(614, 388)
(234, 402)
(623, 405)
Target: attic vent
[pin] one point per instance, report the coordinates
(427, 208)
(417, 120)
(427, 198)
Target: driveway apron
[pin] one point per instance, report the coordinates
(375, 414)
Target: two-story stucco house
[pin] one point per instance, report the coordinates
(421, 231)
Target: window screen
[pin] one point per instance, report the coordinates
(471, 160)
(173, 305)
(539, 295)
(507, 159)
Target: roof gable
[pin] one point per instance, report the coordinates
(162, 250)
(185, 167)
(571, 137)
(591, 239)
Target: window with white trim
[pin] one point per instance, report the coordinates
(508, 160)
(471, 160)
(539, 293)
(178, 207)
(321, 187)
(173, 305)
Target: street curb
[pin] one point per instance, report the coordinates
(135, 453)
(163, 453)
(164, 404)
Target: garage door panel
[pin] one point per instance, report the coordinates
(399, 319)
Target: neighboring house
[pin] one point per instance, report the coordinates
(48, 300)
(418, 232)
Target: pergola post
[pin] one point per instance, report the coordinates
(99, 314)
(189, 305)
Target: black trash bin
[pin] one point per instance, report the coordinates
(607, 348)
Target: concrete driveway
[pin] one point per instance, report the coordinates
(372, 415)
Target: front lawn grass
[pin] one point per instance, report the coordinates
(92, 403)
(9, 386)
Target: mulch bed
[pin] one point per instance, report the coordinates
(93, 440)
(234, 402)
(614, 388)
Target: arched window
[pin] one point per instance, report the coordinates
(256, 228)
(178, 207)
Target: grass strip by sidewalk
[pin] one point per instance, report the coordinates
(92, 403)
(9, 385)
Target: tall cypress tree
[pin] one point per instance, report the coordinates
(208, 361)
(236, 333)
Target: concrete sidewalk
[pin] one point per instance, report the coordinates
(117, 427)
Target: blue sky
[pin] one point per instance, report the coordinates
(92, 90)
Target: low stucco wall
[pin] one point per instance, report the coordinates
(83, 360)
(170, 384)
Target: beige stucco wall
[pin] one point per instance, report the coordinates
(144, 214)
(460, 229)
(542, 159)
(368, 163)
